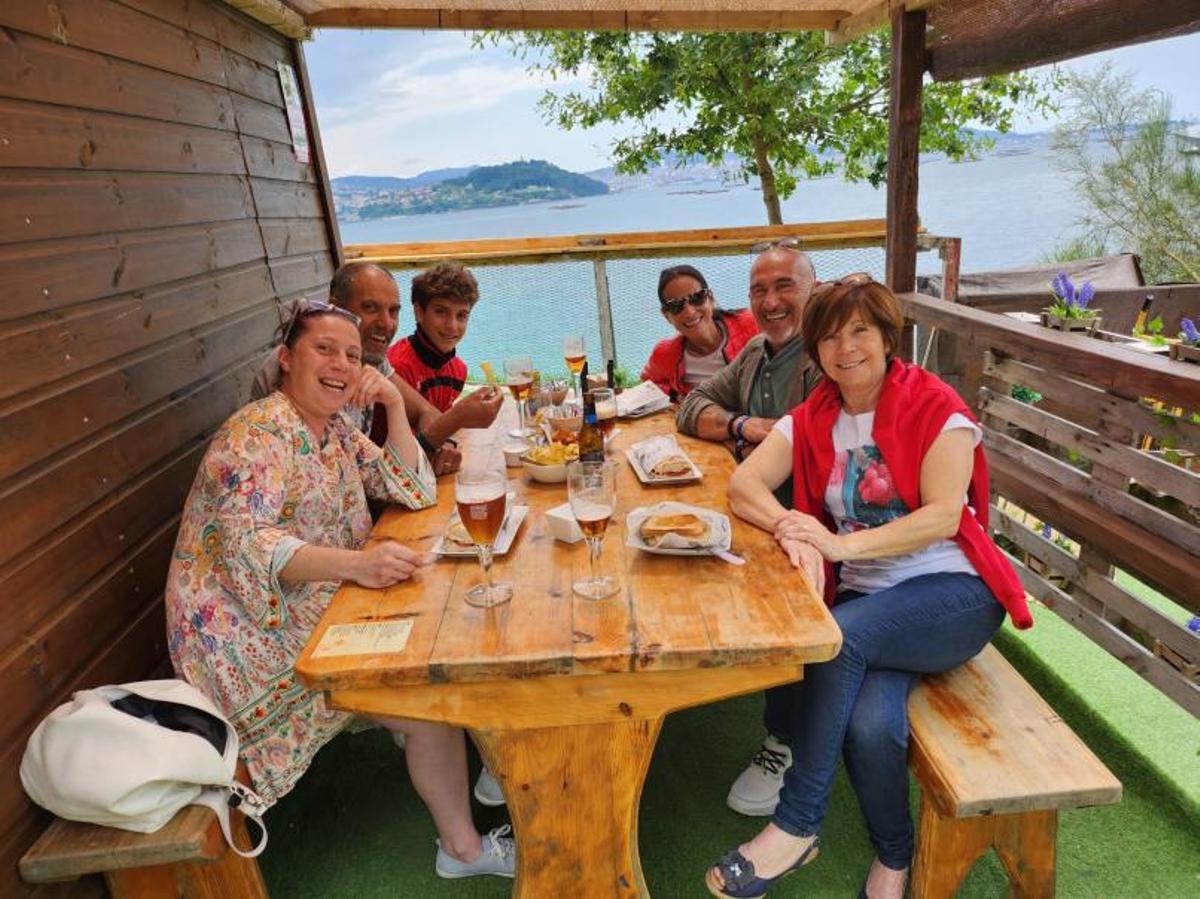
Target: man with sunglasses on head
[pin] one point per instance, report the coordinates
(741, 402)
(369, 293)
(739, 405)
(708, 339)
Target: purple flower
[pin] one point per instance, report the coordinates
(1045, 530)
(1189, 332)
(1085, 295)
(1063, 288)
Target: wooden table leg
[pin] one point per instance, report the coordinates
(571, 755)
(578, 787)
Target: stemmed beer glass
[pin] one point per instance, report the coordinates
(482, 499)
(519, 373)
(591, 489)
(575, 355)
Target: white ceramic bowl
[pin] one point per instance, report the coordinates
(513, 453)
(546, 474)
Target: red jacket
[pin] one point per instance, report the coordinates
(913, 407)
(665, 365)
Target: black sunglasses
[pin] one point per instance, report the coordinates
(787, 243)
(697, 299)
(309, 308)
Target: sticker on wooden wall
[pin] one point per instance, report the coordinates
(295, 111)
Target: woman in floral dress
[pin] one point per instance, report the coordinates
(277, 517)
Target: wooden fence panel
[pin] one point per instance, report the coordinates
(1101, 446)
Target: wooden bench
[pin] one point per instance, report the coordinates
(995, 765)
(188, 858)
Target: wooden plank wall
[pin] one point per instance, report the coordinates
(1100, 463)
(152, 220)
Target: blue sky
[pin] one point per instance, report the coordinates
(401, 102)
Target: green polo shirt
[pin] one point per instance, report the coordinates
(773, 380)
(769, 393)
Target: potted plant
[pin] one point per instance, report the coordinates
(1069, 309)
(1188, 347)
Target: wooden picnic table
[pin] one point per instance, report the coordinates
(565, 696)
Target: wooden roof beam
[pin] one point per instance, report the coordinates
(578, 19)
(878, 16)
(275, 14)
(1077, 30)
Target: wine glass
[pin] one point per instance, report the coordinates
(606, 411)
(519, 373)
(575, 355)
(591, 489)
(482, 499)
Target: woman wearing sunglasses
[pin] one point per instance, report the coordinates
(890, 481)
(276, 520)
(708, 337)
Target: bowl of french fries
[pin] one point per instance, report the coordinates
(548, 464)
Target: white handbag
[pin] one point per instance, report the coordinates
(132, 755)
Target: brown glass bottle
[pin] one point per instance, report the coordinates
(591, 441)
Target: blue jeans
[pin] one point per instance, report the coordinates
(857, 703)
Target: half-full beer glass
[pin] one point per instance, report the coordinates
(482, 499)
(591, 489)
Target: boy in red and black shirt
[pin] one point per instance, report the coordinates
(442, 300)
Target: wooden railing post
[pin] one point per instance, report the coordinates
(608, 338)
(904, 131)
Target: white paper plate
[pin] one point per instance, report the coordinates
(646, 478)
(722, 532)
(504, 540)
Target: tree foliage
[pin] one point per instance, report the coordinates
(1140, 187)
(786, 105)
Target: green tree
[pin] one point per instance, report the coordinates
(787, 105)
(1139, 186)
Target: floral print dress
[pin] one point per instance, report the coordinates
(266, 487)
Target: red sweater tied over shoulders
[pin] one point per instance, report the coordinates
(913, 407)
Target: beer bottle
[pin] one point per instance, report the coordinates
(591, 441)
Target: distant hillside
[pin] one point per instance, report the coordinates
(383, 182)
(534, 174)
(361, 197)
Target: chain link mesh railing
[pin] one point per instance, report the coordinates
(526, 308)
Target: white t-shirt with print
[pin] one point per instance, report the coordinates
(860, 494)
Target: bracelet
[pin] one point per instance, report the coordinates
(740, 429)
(730, 424)
(425, 444)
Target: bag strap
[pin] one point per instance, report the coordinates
(245, 800)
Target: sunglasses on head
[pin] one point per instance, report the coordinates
(851, 280)
(310, 308)
(786, 243)
(697, 299)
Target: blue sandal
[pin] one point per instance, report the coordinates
(741, 882)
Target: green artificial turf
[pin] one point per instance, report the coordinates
(354, 827)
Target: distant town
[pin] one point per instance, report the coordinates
(362, 197)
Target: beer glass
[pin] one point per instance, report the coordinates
(606, 411)
(575, 355)
(482, 499)
(591, 489)
(519, 372)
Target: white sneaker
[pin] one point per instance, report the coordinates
(487, 791)
(756, 791)
(499, 857)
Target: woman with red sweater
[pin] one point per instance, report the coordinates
(890, 482)
(708, 337)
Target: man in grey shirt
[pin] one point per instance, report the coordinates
(772, 374)
(738, 406)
